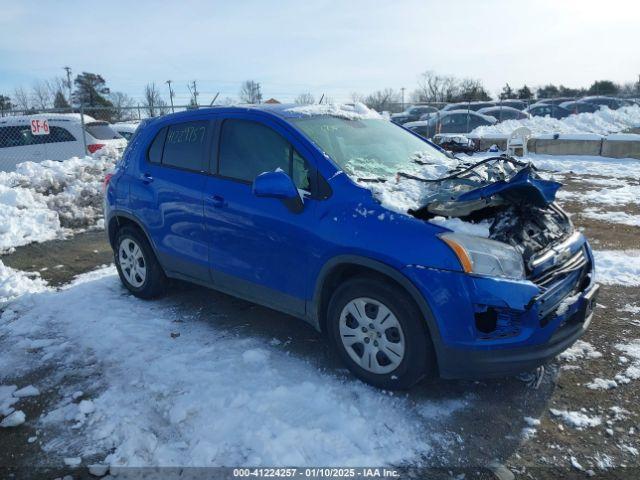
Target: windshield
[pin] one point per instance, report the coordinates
(369, 148)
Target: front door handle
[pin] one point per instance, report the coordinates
(146, 178)
(218, 201)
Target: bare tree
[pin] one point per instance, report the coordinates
(122, 106)
(357, 97)
(41, 95)
(381, 100)
(228, 101)
(435, 88)
(472, 90)
(305, 99)
(250, 92)
(21, 99)
(153, 102)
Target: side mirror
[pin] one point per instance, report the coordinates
(278, 185)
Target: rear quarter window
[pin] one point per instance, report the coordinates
(101, 131)
(154, 155)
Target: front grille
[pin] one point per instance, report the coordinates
(561, 281)
(578, 261)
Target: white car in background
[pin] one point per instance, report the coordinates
(125, 129)
(53, 137)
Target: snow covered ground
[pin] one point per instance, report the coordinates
(205, 397)
(602, 122)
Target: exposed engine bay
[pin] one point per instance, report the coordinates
(507, 193)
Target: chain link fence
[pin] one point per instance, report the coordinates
(62, 133)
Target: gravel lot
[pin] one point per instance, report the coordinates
(536, 432)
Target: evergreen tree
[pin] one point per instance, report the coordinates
(507, 92)
(60, 101)
(90, 91)
(604, 87)
(525, 93)
(5, 103)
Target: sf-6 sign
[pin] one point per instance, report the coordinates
(39, 126)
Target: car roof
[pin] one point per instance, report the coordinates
(497, 108)
(284, 110)
(51, 117)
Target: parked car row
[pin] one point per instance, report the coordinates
(511, 109)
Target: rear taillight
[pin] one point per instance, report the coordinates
(94, 147)
(107, 179)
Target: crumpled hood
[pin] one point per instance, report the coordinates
(525, 186)
(492, 182)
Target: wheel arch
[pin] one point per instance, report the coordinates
(343, 267)
(120, 219)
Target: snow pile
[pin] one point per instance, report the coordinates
(530, 431)
(9, 395)
(632, 372)
(480, 229)
(578, 420)
(618, 267)
(621, 195)
(356, 111)
(601, 384)
(578, 350)
(603, 122)
(623, 218)
(41, 201)
(206, 397)
(14, 283)
(588, 165)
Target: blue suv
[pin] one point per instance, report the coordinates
(411, 261)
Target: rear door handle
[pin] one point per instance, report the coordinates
(218, 201)
(146, 178)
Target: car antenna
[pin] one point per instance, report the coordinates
(214, 99)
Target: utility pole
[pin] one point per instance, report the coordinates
(68, 70)
(168, 82)
(193, 89)
(402, 90)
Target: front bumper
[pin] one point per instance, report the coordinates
(472, 364)
(532, 323)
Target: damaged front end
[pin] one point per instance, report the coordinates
(505, 194)
(552, 295)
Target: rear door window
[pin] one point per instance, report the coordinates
(12, 137)
(184, 145)
(19, 136)
(58, 134)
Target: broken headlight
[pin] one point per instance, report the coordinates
(485, 257)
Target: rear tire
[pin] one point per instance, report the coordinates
(137, 264)
(379, 333)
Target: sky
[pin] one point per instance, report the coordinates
(319, 46)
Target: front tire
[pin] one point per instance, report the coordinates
(137, 265)
(379, 333)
